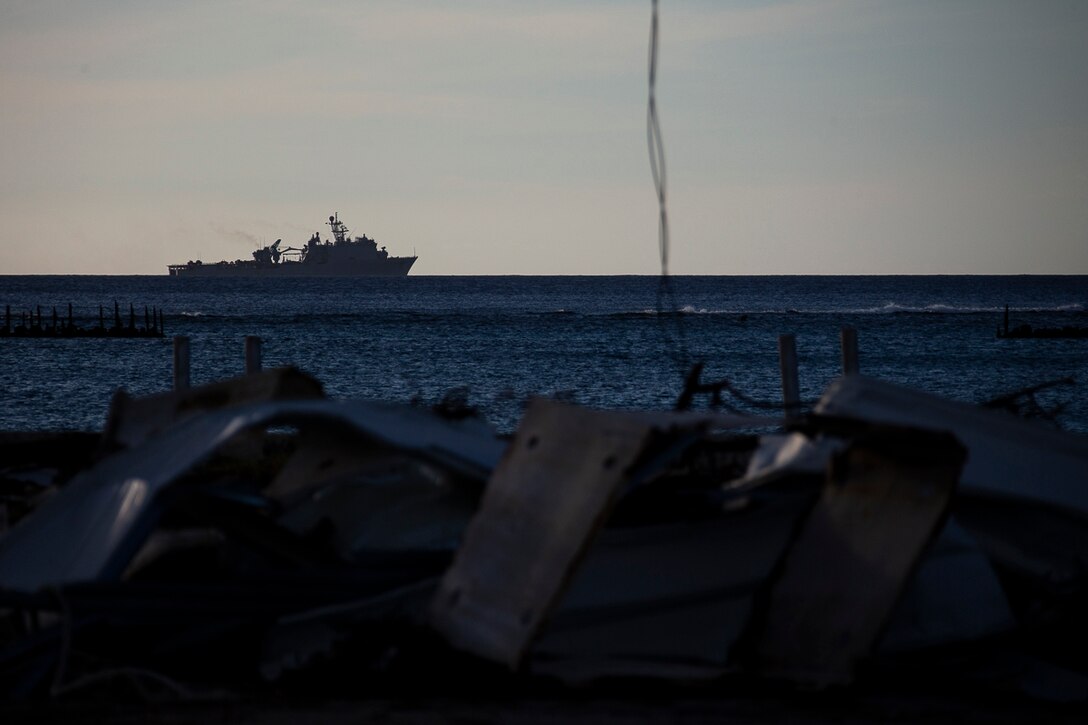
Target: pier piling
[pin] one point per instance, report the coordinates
(253, 354)
(787, 362)
(181, 362)
(849, 337)
(31, 322)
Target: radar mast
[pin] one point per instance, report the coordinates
(339, 231)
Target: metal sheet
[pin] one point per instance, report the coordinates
(1006, 455)
(93, 525)
(541, 507)
(884, 500)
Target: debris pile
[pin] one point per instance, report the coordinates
(252, 536)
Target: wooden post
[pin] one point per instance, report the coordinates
(101, 318)
(787, 363)
(116, 315)
(181, 362)
(71, 322)
(1006, 320)
(147, 321)
(253, 354)
(54, 319)
(849, 337)
(7, 319)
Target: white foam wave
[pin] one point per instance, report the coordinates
(887, 308)
(685, 310)
(945, 309)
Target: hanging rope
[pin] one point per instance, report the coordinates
(669, 316)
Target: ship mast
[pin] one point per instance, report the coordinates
(339, 231)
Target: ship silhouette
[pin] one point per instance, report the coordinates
(343, 256)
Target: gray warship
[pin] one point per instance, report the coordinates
(341, 257)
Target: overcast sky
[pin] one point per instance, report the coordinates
(808, 136)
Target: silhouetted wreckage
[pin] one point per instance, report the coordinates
(253, 537)
(1025, 403)
(1028, 332)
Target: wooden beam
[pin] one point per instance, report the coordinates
(787, 363)
(849, 338)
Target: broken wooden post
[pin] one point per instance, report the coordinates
(849, 337)
(181, 362)
(787, 362)
(253, 354)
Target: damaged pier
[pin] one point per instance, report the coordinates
(30, 325)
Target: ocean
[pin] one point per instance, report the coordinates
(600, 341)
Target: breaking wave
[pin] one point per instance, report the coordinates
(685, 310)
(889, 308)
(892, 308)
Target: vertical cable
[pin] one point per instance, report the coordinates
(667, 311)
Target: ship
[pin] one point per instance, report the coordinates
(342, 256)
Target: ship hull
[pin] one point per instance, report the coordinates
(388, 267)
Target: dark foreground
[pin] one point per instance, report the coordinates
(614, 708)
(250, 551)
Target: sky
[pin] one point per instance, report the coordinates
(801, 137)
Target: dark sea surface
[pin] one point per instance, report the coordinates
(597, 340)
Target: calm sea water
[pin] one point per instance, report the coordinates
(596, 340)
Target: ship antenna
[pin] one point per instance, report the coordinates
(339, 231)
